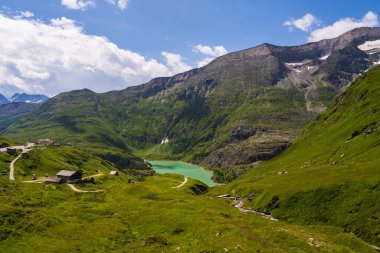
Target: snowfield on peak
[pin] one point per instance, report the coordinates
(369, 45)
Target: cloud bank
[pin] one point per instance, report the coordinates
(312, 25)
(86, 4)
(78, 4)
(49, 58)
(344, 25)
(210, 53)
(306, 23)
(175, 62)
(121, 4)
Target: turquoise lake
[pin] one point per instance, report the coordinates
(185, 169)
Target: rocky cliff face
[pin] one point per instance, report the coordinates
(241, 108)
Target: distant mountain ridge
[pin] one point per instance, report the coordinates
(3, 100)
(23, 97)
(17, 106)
(242, 108)
(27, 98)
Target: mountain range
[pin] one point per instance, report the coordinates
(24, 98)
(27, 98)
(296, 130)
(18, 106)
(241, 109)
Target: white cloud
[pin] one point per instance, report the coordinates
(78, 4)
(27, 14)
(37, 57)
(204, 62)
(210, 52)
(306, 23)
(175, 62)
(344, 25)
(121, 4)
(65, 23)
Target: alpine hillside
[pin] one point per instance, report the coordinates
(331, 174)
(241, 109)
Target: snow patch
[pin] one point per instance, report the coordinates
(369, 45)
(312, 67)
(324, 58)
(294, 64)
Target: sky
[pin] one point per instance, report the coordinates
(53, 46)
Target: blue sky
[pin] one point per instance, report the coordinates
(164, 32)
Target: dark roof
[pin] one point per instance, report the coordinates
(53, 180)
(66, 173)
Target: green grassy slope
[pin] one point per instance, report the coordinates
(76, 118)
(333, 168)
(6, 122)
(51, 160)
(147, 217)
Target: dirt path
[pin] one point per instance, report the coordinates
(12, 165)
(182, 184)
(239, 202)
(375, 247)
(12, 168)
(77, 190)
(33, 182)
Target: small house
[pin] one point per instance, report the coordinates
(70, 176)
(11, 151)
(54, 180)
(45, 142)
(114, 173)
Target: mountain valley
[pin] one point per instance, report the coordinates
(291, 135)
(254, 100)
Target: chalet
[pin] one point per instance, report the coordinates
(45, 142)
(114, 173)
(70, 176)
(11, 151)
(52, 180)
